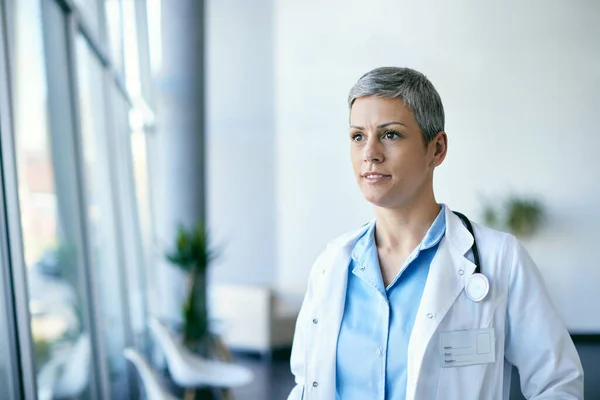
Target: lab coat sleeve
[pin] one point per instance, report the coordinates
(298, 357)
(537, 341)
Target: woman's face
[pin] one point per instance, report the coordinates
(393, 166)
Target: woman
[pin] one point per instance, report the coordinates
(397, 309)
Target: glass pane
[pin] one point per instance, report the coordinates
(132, 62)
(8, 371)
(90, 12)
(9, 379)
(142, 189)
(153, 11)
(142, 201)
(129, 220)
(48, 201)
(114, 26)
(101, 218)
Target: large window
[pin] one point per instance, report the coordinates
(79, 170)
(48, 201)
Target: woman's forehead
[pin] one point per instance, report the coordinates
(373, 111)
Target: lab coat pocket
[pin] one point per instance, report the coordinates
(469, 362)
(466, 382)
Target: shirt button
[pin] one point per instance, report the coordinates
(460, 272)
(362, 268)
(315, 321)
(315, 384)
(430, 315)
(378, 352)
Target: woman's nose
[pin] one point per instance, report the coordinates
(373, 153)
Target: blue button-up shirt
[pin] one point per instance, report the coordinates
(377, 322)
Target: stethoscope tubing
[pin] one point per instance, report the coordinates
(478, 285)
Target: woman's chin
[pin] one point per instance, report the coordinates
(378, 199)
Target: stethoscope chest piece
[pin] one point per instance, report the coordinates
(477, 287)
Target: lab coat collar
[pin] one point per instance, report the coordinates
(363, 247)
(366, 259)
(457, 233)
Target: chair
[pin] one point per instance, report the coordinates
(74, 377)
(150, 382)
(189, 370)
(47, 376)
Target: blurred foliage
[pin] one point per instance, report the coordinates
(520, 216)
(66, 255)
(41, 352)
(191, 249)
(191, 253)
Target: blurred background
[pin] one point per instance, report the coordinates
(151, 149)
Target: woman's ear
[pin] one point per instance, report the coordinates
(440, 143)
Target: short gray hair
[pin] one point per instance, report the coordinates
(412, 87)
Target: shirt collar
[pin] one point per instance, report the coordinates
(436, 231)
(364, 252)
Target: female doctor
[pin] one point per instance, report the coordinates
(420, 303)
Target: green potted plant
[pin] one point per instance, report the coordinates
(192, 255)
(521, 216)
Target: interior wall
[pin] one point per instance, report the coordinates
(240, 140)
(519, 82)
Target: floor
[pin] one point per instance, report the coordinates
(274, 380)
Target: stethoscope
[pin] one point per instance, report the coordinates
(478, 285)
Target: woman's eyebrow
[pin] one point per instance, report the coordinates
(390, 123)
(381, 125)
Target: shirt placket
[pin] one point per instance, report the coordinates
(382, 351)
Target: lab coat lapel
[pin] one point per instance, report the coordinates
(332, 298)
(448, 274)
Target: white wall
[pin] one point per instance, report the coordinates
(519, 81)
(240, 142)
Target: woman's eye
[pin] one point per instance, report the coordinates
(391, 135)
(357, 137)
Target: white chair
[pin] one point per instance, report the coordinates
(189, 370)
(150, 381)
(75, 375)
(47, 377)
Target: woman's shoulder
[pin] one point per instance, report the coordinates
(343, 242)
(329, 258)
(491, 234)
(349, 239)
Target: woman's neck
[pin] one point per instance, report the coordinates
(402, 229)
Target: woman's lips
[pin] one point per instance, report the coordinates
(373, 177)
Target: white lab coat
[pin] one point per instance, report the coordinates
(529, 333)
